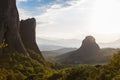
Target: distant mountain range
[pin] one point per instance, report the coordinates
(65, 43)
(48, 45)
(88, 53)
(49, 55)
(114, 44)
(59, 50)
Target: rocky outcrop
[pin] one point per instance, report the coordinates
(9, 26)
(87, 53)
(28, 34)
(89, 46)
(20, 36)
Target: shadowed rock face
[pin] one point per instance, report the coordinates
(89, 46)
(28, 34)
(87, 53)
(9, 24)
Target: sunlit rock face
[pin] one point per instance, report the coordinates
(28, 34)
(9, 26)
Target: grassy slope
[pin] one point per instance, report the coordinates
(16, 66)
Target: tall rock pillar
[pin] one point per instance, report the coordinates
(9, 26)
(28, 34)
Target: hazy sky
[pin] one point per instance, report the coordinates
(76, 19)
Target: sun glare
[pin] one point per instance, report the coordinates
(105, 18)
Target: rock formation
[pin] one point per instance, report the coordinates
(89, 46)
(9, 26)
(87, 53)
(20, 36)
(28, 34)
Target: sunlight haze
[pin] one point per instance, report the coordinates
(75, 19)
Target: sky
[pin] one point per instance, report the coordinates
(74, 19)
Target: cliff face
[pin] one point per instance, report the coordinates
(9, 24)
(16, 53)
(20, 36)
(28, 34)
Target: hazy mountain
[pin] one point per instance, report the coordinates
(88, 53)
(74, 43)
(49, 47)
(54, 53)
(114, 44)
(70, 43)
(85, 54)
(42, 41)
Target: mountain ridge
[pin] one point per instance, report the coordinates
(88, 53)
(75, 43)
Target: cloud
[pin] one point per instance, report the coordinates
(24, 14)
(41, 6)
(22, 0)
(75, 18)
(81, 19)
(26, 10)
(64, 22)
